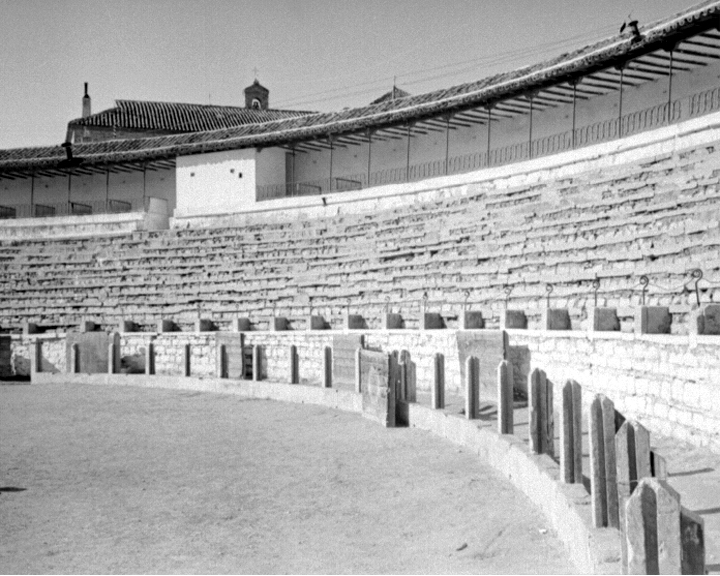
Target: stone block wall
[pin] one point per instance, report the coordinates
(15, 353)
(668, 382)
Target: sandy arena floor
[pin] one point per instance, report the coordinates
(117, 480)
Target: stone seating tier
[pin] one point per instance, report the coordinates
(656, 217)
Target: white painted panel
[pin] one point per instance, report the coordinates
(215, 183)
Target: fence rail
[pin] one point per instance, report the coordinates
(38, 210)
(601, 131)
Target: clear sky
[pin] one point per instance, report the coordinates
(311, 54)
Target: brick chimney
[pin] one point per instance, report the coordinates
(86, 103)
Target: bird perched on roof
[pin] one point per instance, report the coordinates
(633, 25)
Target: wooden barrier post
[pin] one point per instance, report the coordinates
(571, 436)
(358, 371)
(632, 456)
(692, 535)
(403, 387)
(472, 388)
(257, 362)
(541, 413)
(111, 356)
(187, 353)
(505, 398)
(327, 367)
(438, 391)
(652, 529)
(658, 466)
(603, 470)
(222, 361)
(150, 358)
(35, 357)
(74, 359)
(294, 365)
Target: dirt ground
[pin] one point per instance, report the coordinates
(119, 480)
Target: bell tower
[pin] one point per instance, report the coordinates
(257, 96)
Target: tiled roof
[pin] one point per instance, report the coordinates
(393, 94)
(599, 56)
(179, 117)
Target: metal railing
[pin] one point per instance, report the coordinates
(601, 131)
(38, 210)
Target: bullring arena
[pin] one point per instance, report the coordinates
(512, 281)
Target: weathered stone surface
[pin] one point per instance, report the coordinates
(604, 320)
(632, 453)
(603, 467)
(240, 324)
(692, 535)
(125, 326)
(705, 320)
(316, 322)
(393, 321)
(490, 348)
(652, 529)
(431, 321)
(513, 319)
(166, 325)
(235, 361)
(377, 391)
(471, 320)
(92, 351)
(658, 466)
(556, 319)
(30, 328)
(571, 435)
(343, 351)
(354, 322)
(279, 324)
(653, 320)
(541, 413)
(505, 398)
(204, 325)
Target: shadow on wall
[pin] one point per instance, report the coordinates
(519, 357)
(134, 364)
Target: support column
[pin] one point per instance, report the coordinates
(369, 136)
(447, 141)
(620, 103)
(407, 164)
(69, 188)
(32, 194)
(144, 187)
(330, 139)
(670, 80)
(293, 186)
(107, 189)
(489, 124)
(531, 98)
(574, 85)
